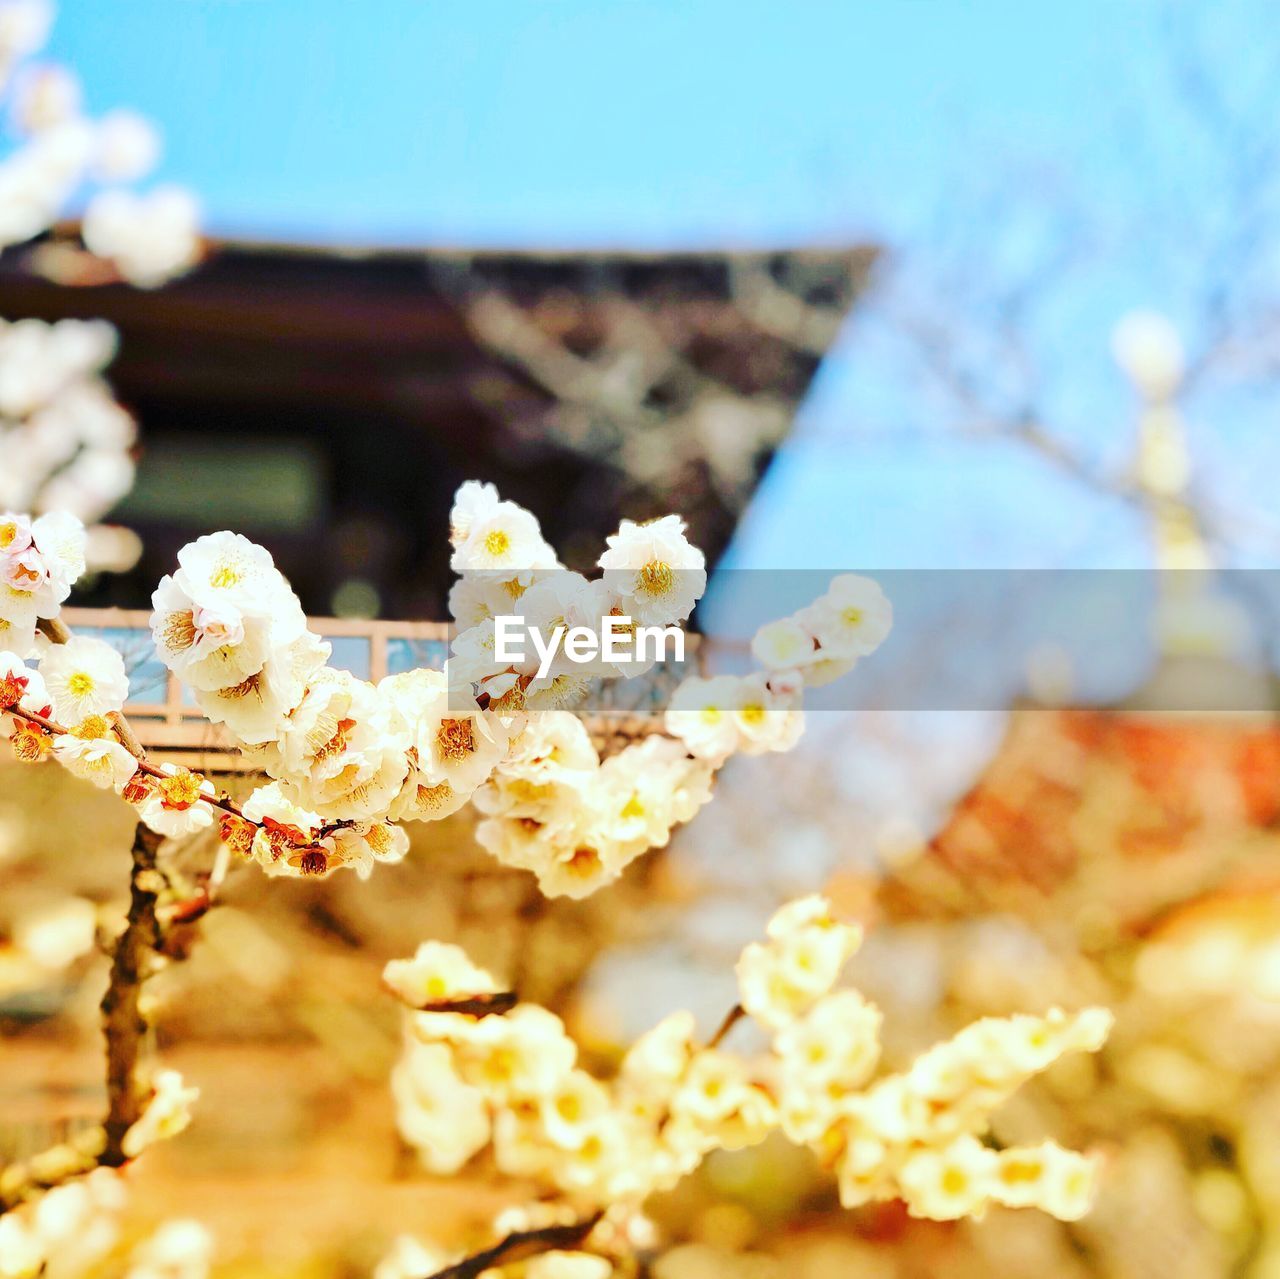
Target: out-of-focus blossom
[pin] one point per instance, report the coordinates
(914, 1136)
(167, 1113)
(1147, 347)
(180, 1249)
(150, 237)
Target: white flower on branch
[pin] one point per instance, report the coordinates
(915, 1135)
(39, 561)
(437, 972)
(502, 538)
(91, 751)
(656, 572)
(167, 1113)
(171, 805)
(20, 685)
(85, 677)
(851, 620)
(254, 707)
(443, 1118)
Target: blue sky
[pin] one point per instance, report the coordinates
(731, 122)
(590, 121)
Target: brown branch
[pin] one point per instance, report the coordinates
(124, 1028)
(489, 1005)
(144, 765)
(75, 1158)
(123, 1024)
(732, 1018)
(54, 629)
(519, 1246)
(134, 958)
(124, 731)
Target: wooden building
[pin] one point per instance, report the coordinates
(327, 404)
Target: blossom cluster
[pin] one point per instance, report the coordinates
(914, 1135)
(75, 1230)
(823, 640)
(80, 686)
(760, 712)
(349, 760)
(39, 562)
(555, 808)
(513, 1082)
(67, 443)
(148, 237)
(651, 576)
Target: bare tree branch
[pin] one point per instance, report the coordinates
(520, 1246)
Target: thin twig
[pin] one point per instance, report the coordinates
(519, 1246)
(144, 765)
(732, 1018)
(76, 1157)
(489, 1005)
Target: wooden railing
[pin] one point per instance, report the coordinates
(164, 714)
(171, 727)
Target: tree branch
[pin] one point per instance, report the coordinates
(519, 1246)
(133, 960)
(130, 742)
(479, 1006)
(123, 1024)
(732, 1018)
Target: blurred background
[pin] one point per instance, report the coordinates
(922, 287)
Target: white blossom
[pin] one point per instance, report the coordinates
(167, 1113)
(150, 238)
(173, 805)
(656, 572)
(84, 677)
(851, 619)
(90, 751)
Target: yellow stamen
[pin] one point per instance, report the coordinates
(432, 798)
(656, 578)
(455, 739)
(179, 632)
(180, 791)
(80, 684)
(91, 728)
